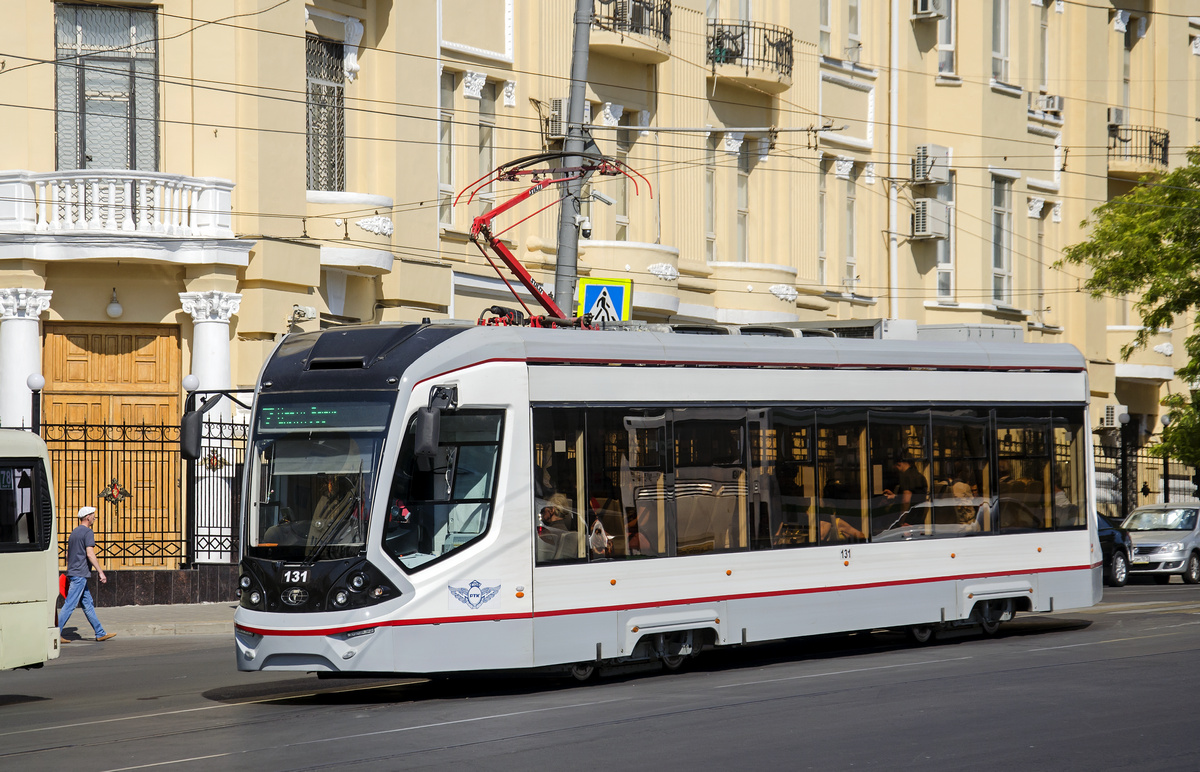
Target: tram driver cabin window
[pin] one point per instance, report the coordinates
(23, 504)
(637, 483)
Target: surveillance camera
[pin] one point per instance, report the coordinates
(603, 199)
(585, 228)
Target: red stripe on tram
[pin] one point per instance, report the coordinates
(654, 604)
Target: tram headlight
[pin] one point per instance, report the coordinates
(341, 597)
(256, 597)
(358, 582)
(244, 582)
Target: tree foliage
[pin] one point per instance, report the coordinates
(1146, 243)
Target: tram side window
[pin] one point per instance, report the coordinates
(961, 471)
(1070, 471)
(841, 478)
(1024, 481)
(558, 477)
(710, 480)
(626, 497)
(900, 475)
(22, 492)
(794, 522)
(435, 508)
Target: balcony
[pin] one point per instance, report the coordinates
(632, 30)
(118, 214)
(117, 202)
(753, 54)
(1135, 151)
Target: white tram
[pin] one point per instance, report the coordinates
(434, 498)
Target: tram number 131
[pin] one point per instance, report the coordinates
(845, 554)
(295, 576)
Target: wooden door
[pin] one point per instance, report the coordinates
(111, 414)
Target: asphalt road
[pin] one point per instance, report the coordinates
(1107, 688)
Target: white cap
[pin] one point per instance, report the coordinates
(85, 511)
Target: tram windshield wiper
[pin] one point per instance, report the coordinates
(353, 505)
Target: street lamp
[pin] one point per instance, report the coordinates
(1166, 421)
(36, 382)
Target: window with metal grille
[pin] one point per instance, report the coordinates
(326, 116)
(106, 100)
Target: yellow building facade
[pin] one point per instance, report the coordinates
(188, 182)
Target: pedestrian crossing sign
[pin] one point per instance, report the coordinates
(607, 300)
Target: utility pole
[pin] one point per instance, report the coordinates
(567, 264)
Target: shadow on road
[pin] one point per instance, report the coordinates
(312, 690)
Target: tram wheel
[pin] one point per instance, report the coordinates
(988, 616)
(921, 634)
(673, 662)
(583, 671)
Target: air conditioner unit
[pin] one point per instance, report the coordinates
(930, 219)
(1111, 419)
(929, 9)
(931, 164)
(1116, 116)
(1050, 103)
(556, 123)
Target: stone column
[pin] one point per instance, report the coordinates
(215, 518)
(20, 351)
(210, 340)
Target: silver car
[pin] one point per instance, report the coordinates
(1166, 541)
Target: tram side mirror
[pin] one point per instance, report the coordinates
(428, 431)
(190, 434)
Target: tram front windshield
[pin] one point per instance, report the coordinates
(314, 465)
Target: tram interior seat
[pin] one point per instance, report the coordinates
(568, 546)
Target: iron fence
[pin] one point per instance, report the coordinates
(651, 18)
(1138, 143)
(131, 474)
(750, 44)
(1128, 476)
(215, 481)
(134, 476)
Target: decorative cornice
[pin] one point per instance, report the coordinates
(23, 303)
(210, 306)
(784, 292)
(733, 142)
(350, 40)
(664, 271)
(473, 83)
(378, 224)
(1036, 205)
(354, 33)
(610, 114)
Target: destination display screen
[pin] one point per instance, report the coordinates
(323, 416)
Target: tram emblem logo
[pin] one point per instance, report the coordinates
(474, 596)
(295, 596)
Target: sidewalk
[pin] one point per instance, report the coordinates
(177, 619)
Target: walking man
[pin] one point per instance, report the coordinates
(81, 557)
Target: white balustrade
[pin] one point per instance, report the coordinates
(117, 201)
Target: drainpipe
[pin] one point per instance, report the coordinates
(893, 166)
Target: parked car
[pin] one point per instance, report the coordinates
(1117, 548)
(1166, 541)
